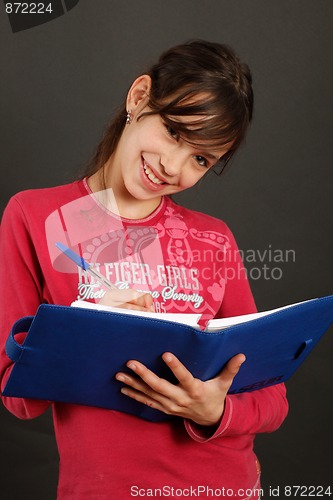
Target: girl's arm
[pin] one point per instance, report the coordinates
(24, 285)
(20, 295)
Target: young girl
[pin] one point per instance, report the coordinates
(187, 115)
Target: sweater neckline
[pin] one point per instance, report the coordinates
(149, 219)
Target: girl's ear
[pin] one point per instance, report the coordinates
(138, 94)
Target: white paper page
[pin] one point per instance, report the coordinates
(220, 323)
(187, 319)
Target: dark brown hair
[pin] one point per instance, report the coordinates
(197, 78)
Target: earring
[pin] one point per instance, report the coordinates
(128, 117)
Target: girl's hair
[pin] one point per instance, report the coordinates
(197, 78)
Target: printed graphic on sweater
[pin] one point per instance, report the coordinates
(169, 258)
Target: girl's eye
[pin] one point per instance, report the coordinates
(201, 160)
(172, 132)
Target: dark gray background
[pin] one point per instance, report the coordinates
(61, 82)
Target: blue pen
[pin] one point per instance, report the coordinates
(79, 261)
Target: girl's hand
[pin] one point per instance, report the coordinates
(202, 402)
(128, 299)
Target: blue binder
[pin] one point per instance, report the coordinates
(71, 354)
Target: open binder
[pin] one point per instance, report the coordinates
(71, 354)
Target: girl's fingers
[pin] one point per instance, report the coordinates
(203, 402)
(142, 398)
(128, 299)
(153, 382)
(140, 391)
(135, 306)
(231, 369)
(181, 373)
(157, 384)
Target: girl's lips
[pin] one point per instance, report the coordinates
(148, 182)
(157, 175)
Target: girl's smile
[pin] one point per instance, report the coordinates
(151, 178)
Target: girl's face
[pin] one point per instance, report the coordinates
(151, 160)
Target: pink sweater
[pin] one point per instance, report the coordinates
(189, 262)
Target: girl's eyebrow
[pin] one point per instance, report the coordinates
(212, 157)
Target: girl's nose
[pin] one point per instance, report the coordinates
(172, 163)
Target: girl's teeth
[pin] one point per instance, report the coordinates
(151, 176)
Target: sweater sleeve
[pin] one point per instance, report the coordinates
(20, 295)
(247, 413)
